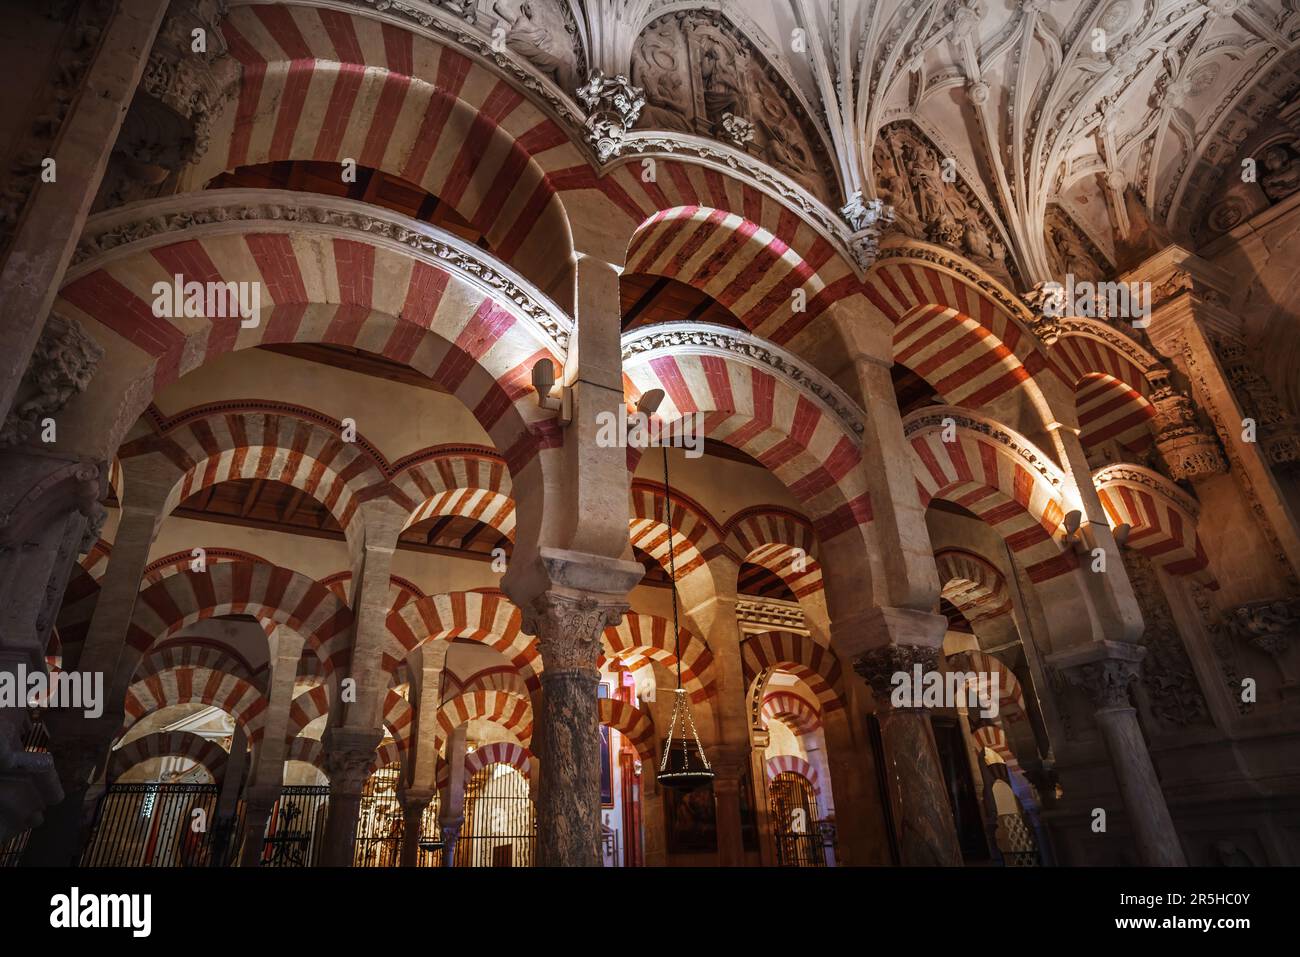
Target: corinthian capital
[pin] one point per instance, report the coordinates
(568, 628)
(348, 755)
(878, 666)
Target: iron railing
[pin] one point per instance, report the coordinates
(500, 828)
(159, 825)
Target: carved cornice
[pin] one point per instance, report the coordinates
(146, 225)
(686, 338)
(932, 417)
(769, 612)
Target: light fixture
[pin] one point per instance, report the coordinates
(649, 402)
(1121, 533)
(683, 766)
(543, 382)
(1073, 519)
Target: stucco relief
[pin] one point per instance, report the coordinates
(701, 75)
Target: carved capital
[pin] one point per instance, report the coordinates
(348, 754)
(61, 366)
(613, 105)
(1105, 681)
(568, 628)
(878, 666)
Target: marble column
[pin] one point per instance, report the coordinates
(923, 818)
(226, 842)
(861, 825)
(569, 628)
(652, 818)
(1104, 672)
(55, 213)
(349, 752)
(414, 802)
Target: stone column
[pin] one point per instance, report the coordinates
(1104, 672)
(568, 629)
(51, 224)
(927, 834)
(452, 813)
(759, 740)
(652, 818)
(226, 843)
(728, 777)
(414, 801)
(349, 753)
(267, 778)
(861, 827)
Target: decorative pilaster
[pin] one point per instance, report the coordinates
(1104, 672)
(568, 629)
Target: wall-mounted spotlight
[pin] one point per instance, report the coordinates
(1073, 519)
(1121, 534)
(649, 402)
(543, 382)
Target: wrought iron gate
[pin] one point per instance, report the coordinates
(379, 823)
(796, 832)
(156, 825)
(35, 740)
(295, 830)
(500, 828)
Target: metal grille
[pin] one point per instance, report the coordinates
(295, 830)
(36, 739)
(379, 823)
(797, 833)
(155, 825)
(500, 828)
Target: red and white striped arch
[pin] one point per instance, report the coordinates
(306, 708)
(212, 445)
(510, 711)
(186, 684)
(500, 678)
(1011, 697)
(487, 617)
(994, 737)
(1162, 517)
(321, 84)
(164, 744)
(401, 591)
(814, 664)
(169, 565)
(1111, 388)
(399, 717)
(977, 471)
(968, 347)
(743, 266)
(792, 762)
(354, 284)
(793, 710)
(649, 636)
(747, 404)
(456, 480)
(95, 561)
(696, 537)
(498, 752)
(308, 750)
(232, 588)
(388, 753)
(779, 540)
(192, 656)
(633, 723)
(972, 584)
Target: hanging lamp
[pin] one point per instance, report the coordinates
(684, 766)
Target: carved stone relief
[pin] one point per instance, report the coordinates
(927, 206)
(1279, 432)
(1169, 686)
(1072, 252)
(701, 75)
(61, 366)
(544, 33)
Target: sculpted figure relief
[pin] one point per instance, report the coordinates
(535, 30)
(701, 75)
(1280, 172)
(910, 177)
